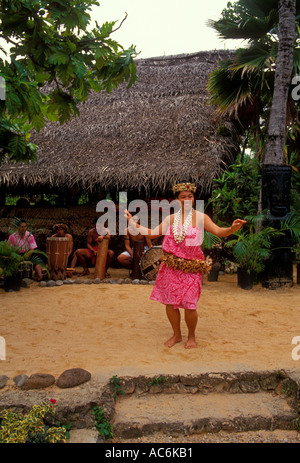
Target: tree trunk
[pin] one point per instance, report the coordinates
(277, 122)
(276, 178)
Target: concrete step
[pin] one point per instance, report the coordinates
(138, 415)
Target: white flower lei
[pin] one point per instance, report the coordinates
(179, 237)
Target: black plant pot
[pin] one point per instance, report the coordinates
(12, 283)
(213, 275)
(245, 279)
(298, 274)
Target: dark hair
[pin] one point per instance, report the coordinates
(19, 221)
(178, 192)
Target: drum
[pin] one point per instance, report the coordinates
(150, 262)
(57, 251)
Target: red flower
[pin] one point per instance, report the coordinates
(53, 401)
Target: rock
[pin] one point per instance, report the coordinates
(97, 281)
(78, 281)
(249, 386)
(127, 281)
(73, 377)
(68, 282)
(135, 282)
(3, 381)
(26, 282)
(59, 283)
(51, 283)
(144, 282)
(87, 282)
(42, 284)
(20, 380)
(39, 381)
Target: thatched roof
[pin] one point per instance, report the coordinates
(159, 132)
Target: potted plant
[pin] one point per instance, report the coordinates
(250, 250)
(10, 262)
(212, 246)
(292, 225)
(9, 266)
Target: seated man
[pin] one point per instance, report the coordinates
(126, 257)
(25, 242)
(60, 230)
(87, 256)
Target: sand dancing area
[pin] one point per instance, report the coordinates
(115, 329)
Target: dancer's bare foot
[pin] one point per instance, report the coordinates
(173, 340)
(191, 343)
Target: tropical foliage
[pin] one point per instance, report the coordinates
(242, 87)
(251, 249)
(30, 427)
(10, 259)
(56, 59)
(236, 192)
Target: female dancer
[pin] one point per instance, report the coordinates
(179, 280)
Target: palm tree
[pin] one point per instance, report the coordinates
(258, 82)
(242, 87)
(284, 67)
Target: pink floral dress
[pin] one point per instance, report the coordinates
(176, 287)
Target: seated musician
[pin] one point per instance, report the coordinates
(126, 257)
(25, 242)
(86, 257)
(61, 231)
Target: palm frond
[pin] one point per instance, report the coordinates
(292, 224)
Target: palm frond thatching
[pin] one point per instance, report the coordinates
(159, 132)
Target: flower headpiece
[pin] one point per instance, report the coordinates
(184, 187)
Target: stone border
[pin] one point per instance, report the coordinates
(69, 378)
(27, 282)
(76, 404)
(96, 281)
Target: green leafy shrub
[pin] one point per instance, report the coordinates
(9, 259)
(31, 427)
(104, 428)
(117, 389)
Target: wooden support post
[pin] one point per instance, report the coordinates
(138, 249)
(100, 267)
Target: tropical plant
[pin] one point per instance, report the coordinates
(236, 192)
(117, 388)
(158, 380)
(212, 246)
(278, 120)
(104, 428)
(10, 259)
(31, 427)
(242, 86)
(251, 249)
(56, 58)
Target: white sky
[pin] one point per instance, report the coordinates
(165, 27)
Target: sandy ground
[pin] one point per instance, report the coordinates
(117, 330)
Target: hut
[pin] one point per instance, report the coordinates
(140, 140)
